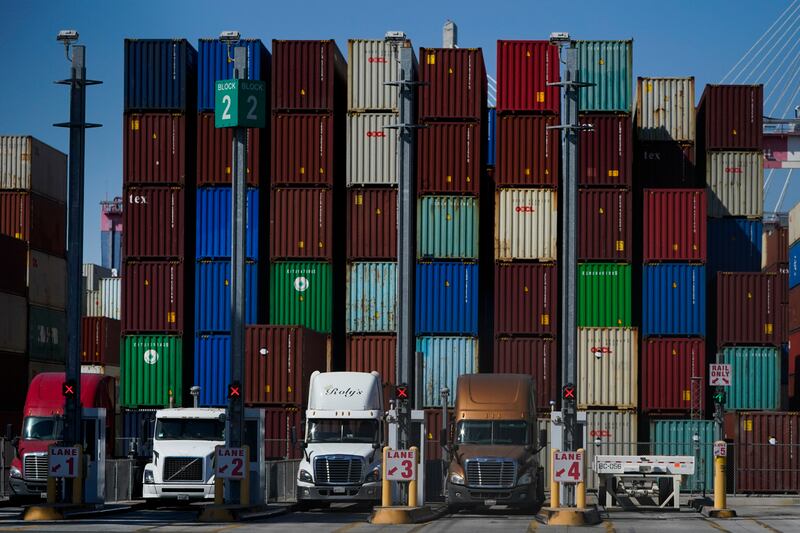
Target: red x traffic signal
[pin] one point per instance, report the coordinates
(401, 392)
(68, 389)
(568, 392)
(234, 390)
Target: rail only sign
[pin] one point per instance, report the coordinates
(401, 465)
(63, 461)
(567, 467)
(231, 463)
(719, 375)
(240, 104)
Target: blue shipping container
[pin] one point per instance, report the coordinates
(446, 299)
(212, 312)
(371, 297)
(674, 299)
(443, 360)
(491, 146)
(214, 223)
(214, 64)
(212, 368)
(137, 432)
(734, 245)
(111, 249)
(794, 265)
(160, 75)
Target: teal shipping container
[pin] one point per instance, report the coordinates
(756, 379)
(447, 227)
(676, 437)
(609, 66)
(443, 360)
(371, 297)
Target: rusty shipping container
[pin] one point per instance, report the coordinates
(674, 225)
(673, 374)
(605, 231)
(157, 148)
(14, 266)
(605, 153)
(156, 223)
(665, 109)
(747, 305)
(301, 224)
(730, 117)
(280, 424)
(214, 162)
(303, 150)
(433, 427)
(279, 361)
(666, 164)
(449, 158)
(100, 338)
(365, 353)
(526, 299)
(524, 71)
(527, 152)
(774, 246)
(453, 84)
(153, 297)
(535, 356)
(371, 223)
(308, 76)
(37, 220)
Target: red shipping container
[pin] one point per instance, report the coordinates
(526, 299)
(527, 152)
(279, 361)
(214, 154)
(14, 266)
(793, 365)
(280, 424)
(775, 247)
(730, 117)
(372, 223)
(448, 158)
(664, 164)
(433, 428)
(303, 150)
(605, 157)
(155, 149)
(605, 232)
(453, 83)
(153, 297)
(15, 381)
(155, 222)
(366, 353)
(537, 357)
(747, 309)
(794, 309)
(100, 338)
(524, 70)
(37, 220)
(308, 75)
(667, 371)
(301, 224)
(674, 225)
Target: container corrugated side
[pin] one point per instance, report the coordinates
(447, 227)
(156, 222)
(365, 353)
(676, 437)
(491, 142)
(526, 299)
(608, 364)
(734, 245)
(612, 433)
(156, 148)
(609, 66)
(153, 297)
(605, 152)
(756, 377)
(443, 360)
(47, 280)
(665, 109)
(526, 223)
(151, 370)
(212, 354)
(14, 326)
(371, 149)
(735, 184)
(301, 294)
(138, 426)
(667, 164)
(605, 231)
(91, 304)
(371, 297)
(37, 220)
(371, 223)
(446, 299)
(604, 295)
(212, 312)
(527, 151)
(301, 224)
(281, 424)
(794, 309)
(454, 83)
(160, 74)
(524, 71)
(303, 150)
(47, 334)
(794, 224)
(774, 246)
(213, 237)
(215, 157)
(110, 297)
(730, 117)
(449, 158)
(535, 356)
(27, 164)
(674, 225)
(93, 274)
(673, 374)
(100, 338)
(674, 299)
(308, 75)
(214, 64)
(371, 63)
(794, 265)
(747, 309)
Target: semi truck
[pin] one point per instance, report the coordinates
(344, 438)
(494, 450)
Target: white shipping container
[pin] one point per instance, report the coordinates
(735, 184)
(91, 304)
(794, 224)
(608, 360)
(609, 433)
(14, 323)
(371, 149)
(92, 274)
(47, 280)
(665, 109)
(110, 297)
(525, 224)
(106, 370)
(370, 65)
(30, 165)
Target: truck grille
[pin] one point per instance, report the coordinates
(34, 467)
(491, 473)
(338, 469)
(183, 469)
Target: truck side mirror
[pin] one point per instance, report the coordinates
(376, 445)
(303, 444)
(443, 437)
(15, 445)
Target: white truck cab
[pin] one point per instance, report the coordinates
(344, 439)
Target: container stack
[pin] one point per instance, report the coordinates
(307, 178)
(100, 325)
(450, 154)
(792, 307)
(158, 249)
(212, 324)
(527, 162)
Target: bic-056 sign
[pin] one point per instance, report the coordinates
(240, 103)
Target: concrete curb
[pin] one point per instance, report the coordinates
(406, 515)
(105, 511)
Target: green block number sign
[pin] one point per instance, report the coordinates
(240, 104)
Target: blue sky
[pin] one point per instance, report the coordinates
(703, 38)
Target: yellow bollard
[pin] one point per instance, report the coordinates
(555, 496)
(720, 498)
(412, 485)
(580, 491)
(244, 488)
(219, 491)
(386, 489)
(52, 490)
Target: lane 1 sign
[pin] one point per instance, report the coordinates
(231, 463)
(719, 375)
(567, 467)
(240, 104)
(401, 465)
(63, 461)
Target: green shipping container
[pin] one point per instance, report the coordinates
(609, 66)
(301, 294)
(604, 295)
(151, 366)
(676, 437)
(447, 227)
(756, 379)
(47, 334)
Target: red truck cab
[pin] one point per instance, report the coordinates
(43, 423)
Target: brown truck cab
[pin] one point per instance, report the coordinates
(494, 449)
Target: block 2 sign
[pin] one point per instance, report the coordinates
(240, 104)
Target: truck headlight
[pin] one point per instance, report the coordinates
(373, 476)
(525, 479)
(148, 477)
(15, 473)
(456, 479)
(305, 476)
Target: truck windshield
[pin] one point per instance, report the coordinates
(493, 432)
(42, 428)
(338, 430)
(190, 429)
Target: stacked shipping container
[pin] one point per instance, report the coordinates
(791, 307)
(100, 325)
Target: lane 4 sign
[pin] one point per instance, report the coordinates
(401, 465)
(231, 463)
(567, 467)
(719, 375)
(63, 461)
